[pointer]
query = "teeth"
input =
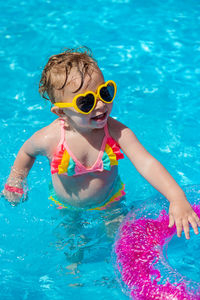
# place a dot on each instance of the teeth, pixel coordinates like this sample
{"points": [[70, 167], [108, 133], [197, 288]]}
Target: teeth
{"points": [[99, 116]]}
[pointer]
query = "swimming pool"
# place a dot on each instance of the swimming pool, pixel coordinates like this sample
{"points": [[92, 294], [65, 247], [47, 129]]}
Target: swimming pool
{"points": [[152, 50]]}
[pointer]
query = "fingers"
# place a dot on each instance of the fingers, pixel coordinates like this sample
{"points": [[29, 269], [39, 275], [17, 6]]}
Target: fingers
{"points": [[178, 223], [195, 222], [171, 221], [196, 219], [184, 225], [194, 226], [179, 227], [186, 229], [12, 198]]}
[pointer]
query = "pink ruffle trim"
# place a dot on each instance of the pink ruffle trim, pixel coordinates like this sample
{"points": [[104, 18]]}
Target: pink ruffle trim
{"points": [[115, 147], [56, 161]]}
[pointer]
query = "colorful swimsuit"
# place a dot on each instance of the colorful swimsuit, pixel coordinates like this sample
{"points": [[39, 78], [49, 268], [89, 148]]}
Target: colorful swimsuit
{"points": [[64, 162]]}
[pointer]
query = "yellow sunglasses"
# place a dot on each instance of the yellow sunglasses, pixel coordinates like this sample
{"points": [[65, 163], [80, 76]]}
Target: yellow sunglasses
{"points": [[85, 103]]}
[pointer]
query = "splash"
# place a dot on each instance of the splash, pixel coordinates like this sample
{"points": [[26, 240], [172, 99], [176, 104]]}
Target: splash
{"points": [[138, 250]]}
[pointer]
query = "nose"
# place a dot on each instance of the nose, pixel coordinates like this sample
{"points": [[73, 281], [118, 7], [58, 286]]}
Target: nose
{"points": [[100, 104]]}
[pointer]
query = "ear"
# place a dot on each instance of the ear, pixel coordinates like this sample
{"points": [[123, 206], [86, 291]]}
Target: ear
{"points": [[58, 111]]}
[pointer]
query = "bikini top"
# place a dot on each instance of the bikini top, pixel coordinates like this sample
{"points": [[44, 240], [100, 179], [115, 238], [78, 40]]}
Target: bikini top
{"points": [[64, 162]]}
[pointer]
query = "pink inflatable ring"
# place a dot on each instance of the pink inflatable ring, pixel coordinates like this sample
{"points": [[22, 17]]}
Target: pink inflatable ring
{"points": [[138, 252]]}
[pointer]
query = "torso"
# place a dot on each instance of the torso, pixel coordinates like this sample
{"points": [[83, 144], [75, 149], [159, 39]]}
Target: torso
{"points": [[86, 190], [90, 188]]}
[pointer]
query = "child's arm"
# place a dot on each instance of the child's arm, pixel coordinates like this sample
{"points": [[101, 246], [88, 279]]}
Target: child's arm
{"points": [[180, 211], [13, 189]]}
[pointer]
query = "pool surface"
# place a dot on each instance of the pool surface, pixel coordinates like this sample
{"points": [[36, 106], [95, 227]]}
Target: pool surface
{"points": [[152, 50]]}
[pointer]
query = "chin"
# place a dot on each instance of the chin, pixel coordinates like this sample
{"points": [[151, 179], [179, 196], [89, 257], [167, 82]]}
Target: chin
{"points": [[100, 125]]}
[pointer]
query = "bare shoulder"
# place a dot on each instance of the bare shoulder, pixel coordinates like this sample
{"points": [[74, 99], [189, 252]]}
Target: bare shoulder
{"points": [[120, 132], [44, 141], [116, 128]]}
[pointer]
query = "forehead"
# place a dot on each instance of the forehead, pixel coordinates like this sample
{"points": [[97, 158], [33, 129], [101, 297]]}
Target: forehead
{"points": [[93, 77], [91, 81]]}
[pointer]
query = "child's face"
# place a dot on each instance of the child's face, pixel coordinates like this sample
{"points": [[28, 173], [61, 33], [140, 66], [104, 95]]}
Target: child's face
{"points": [[98, 117]]}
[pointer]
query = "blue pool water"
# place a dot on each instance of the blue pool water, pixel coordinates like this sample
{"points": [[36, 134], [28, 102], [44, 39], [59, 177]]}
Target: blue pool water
{"points": [[152, 50]]}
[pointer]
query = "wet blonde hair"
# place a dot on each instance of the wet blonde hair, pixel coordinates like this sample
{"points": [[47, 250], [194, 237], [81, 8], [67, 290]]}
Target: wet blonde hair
{"points": [[55, 74]]}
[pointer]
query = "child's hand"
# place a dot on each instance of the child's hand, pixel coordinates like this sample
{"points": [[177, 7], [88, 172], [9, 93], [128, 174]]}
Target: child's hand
{"points": [[12, 197], [181, 214]]}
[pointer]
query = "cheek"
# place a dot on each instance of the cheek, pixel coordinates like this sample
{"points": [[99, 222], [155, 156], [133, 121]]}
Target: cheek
{"points": [[81, 119], [110, 106], [75, 116]]}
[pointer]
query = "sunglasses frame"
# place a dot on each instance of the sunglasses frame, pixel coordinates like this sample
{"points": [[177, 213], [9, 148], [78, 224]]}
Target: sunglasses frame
{"points": [[96, 95]]}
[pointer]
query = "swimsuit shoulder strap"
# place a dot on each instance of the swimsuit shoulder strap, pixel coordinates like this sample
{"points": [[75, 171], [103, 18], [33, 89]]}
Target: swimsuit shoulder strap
{"points": [[62, 132]]}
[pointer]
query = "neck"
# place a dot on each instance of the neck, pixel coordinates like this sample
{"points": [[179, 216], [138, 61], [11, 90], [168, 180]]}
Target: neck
{"points": [[84, 131]]}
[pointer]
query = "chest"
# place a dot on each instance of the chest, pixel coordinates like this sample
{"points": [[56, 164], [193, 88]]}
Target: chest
{"points": [[86, 151], [76, 156]]}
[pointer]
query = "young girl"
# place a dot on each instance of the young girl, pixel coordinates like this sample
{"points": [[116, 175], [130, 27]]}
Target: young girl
{"points": [[83, 145]]}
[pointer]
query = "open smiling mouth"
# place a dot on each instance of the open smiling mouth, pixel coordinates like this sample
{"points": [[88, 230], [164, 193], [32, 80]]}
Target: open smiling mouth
{"points": [[100, 117]]}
